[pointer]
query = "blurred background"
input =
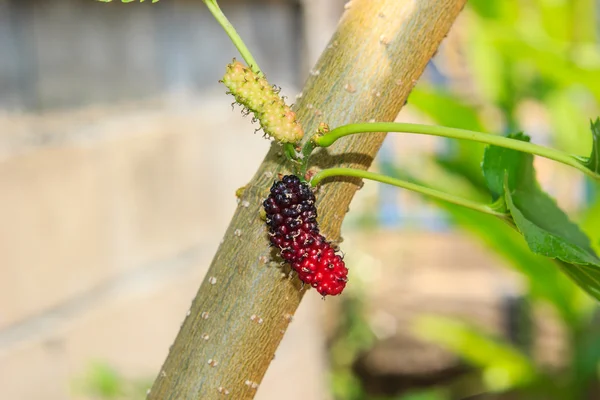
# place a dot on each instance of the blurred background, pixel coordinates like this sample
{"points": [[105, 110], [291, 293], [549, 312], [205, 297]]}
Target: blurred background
{"points": [[120, 156]]}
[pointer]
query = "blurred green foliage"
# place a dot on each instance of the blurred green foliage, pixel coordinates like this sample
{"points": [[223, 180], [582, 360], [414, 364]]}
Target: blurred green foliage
{"points": [[101, 381], [545, 52], [515, 53], [503, 366], [353, 336]]}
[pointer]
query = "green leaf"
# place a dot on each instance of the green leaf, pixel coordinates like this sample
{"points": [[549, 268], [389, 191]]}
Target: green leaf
{"points": [[591, 220], [564, 241], [499, 162], [588, 278], [593, 162], [545, 227]]}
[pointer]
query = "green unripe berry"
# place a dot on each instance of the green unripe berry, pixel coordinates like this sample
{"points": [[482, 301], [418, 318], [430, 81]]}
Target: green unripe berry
{"points": [[255, 93]]}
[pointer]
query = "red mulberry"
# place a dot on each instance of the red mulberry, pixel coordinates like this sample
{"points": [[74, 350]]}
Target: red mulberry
{"points": [[292, 221]]}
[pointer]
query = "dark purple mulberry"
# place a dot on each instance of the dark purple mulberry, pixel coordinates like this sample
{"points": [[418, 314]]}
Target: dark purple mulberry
{"points": [[292, 221]]}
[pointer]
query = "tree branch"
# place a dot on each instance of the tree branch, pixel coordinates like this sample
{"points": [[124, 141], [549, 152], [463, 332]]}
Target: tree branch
{"points": [[244, 305]]}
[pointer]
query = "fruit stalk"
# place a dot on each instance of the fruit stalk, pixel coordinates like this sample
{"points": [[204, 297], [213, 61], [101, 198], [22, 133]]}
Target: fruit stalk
{"points": [[435, 194], [333, 135], [237, 41]]}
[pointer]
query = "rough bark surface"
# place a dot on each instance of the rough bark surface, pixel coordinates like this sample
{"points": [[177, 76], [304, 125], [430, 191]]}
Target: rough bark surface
{"points": [[244, 305]]}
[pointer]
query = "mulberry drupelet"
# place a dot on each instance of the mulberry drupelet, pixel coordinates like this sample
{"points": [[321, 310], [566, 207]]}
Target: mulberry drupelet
{"points": [[292, 221]]}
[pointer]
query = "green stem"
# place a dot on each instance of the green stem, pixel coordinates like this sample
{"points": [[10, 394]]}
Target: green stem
{"points": [[233, 35], [358, 173], [329, 138], [290, 152], [307, 150]]}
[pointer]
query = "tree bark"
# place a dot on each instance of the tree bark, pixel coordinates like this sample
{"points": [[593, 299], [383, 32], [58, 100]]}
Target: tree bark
{"points": [[245, 303]]}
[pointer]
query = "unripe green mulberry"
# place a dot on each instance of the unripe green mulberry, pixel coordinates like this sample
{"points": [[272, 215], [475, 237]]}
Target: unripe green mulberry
{"points": [[254, 92]]}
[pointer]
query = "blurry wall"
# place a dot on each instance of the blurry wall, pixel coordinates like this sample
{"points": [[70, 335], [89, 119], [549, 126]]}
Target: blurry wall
{"points": [[73, 52], [119, 159]]}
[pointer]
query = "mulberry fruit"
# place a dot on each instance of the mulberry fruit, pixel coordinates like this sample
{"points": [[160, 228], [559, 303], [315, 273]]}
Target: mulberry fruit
{"points": [[292, 222], [256, 94]]}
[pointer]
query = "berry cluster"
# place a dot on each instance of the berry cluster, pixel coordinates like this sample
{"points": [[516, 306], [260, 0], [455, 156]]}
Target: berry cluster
{"points": [[292, 221], [256, 94]]}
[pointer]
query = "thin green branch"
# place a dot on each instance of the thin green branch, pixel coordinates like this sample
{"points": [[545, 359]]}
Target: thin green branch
{"points": [[290, 152], [357, 173], [329, 138], [306, 152], [233, 35]]}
